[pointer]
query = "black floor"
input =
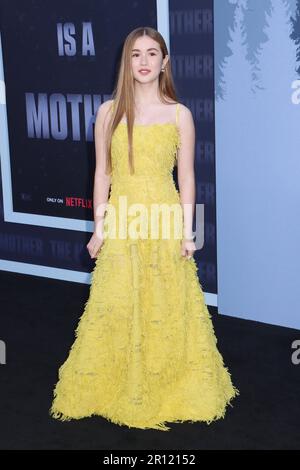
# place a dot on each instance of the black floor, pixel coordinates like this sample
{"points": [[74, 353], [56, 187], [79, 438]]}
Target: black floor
{"points": [[38, 319]]}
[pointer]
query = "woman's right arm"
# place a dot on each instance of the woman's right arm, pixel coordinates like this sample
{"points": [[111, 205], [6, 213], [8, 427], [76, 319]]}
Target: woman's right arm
{"points": [[101, 180]]}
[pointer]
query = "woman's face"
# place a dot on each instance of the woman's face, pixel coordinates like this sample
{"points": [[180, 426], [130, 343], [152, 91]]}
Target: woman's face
{"points": [[147, 60]]}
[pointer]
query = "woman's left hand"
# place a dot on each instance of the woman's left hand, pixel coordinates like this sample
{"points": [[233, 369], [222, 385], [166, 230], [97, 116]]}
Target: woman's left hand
{"points": [[188, 248]]}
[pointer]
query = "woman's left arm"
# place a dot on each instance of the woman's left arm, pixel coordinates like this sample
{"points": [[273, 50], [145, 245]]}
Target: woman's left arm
{"points": [[186, 172]]}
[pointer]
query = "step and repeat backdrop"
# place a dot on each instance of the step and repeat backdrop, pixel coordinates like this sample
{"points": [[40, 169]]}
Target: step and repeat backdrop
{"points": [[59, 63], [236, 65]]}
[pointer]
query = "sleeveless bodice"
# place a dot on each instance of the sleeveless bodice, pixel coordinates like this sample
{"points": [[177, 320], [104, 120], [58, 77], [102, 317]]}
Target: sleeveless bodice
{"points": [[154, 149], [154, 154]]}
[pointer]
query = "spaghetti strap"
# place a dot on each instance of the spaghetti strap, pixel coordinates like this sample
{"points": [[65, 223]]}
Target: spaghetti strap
{"points": [[177, 113]]}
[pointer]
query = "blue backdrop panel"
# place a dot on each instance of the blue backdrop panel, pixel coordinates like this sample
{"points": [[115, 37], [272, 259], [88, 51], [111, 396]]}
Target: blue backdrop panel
{"points": [[257, 159]]}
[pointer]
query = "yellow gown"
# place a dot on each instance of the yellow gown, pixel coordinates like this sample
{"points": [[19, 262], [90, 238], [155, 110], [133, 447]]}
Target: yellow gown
{"points": [[145, 350]]}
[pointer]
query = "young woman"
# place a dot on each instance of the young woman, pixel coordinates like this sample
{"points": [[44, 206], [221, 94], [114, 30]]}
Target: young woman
{"points": [[145, 351]]}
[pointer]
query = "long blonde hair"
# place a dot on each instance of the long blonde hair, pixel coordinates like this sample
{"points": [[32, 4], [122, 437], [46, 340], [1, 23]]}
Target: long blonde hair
{"points": [[123, 94]]}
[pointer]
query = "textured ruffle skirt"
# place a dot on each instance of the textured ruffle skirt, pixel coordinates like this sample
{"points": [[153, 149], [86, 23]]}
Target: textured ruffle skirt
{"points": [[145, 352]]}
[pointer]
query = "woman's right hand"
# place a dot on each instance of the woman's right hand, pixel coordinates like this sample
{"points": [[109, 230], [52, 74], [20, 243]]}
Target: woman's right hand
{"points": [[94, 245]]}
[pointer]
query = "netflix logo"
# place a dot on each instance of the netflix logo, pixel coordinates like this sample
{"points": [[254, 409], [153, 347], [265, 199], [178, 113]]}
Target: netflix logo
{"points": [[78, 202]]}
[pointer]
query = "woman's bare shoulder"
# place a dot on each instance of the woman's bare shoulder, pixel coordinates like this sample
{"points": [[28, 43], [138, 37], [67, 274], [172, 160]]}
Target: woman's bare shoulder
{"points": [[105, 106], [104, 109], [182, 107], [185, 115], [103, 113]]}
